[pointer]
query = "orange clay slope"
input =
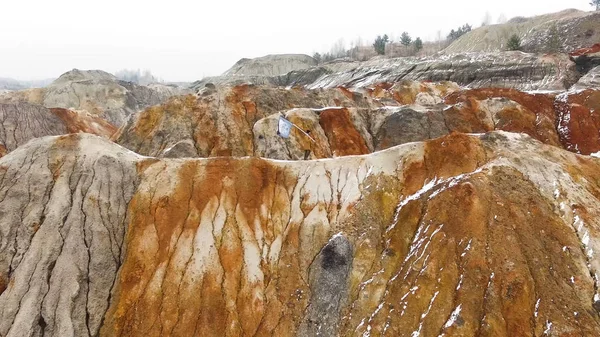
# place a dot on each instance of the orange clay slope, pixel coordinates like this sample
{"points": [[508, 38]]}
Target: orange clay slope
{"points": [[464, 235], [242, 120]]}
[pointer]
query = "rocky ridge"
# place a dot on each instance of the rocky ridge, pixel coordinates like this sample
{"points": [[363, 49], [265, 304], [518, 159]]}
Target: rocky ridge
{"points": [[428, 238], [428, 208], [242, 120], [96, 92], [505, 70], [271, 65]]}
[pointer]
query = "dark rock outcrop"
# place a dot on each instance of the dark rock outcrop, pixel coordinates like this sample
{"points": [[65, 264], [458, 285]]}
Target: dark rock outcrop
{"points": [[329, 280], [591, 80]]}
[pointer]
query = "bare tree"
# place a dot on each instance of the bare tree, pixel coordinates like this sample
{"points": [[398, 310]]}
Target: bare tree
{"points": [[502, 19], [359, 42], [487, 19], [338, 49], [136, 76]]}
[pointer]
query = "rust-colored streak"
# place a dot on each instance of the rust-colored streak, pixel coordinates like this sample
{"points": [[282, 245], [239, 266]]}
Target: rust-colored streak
{"points": [[452, 237], [205, 135], [453, 155], [514, 119], [414, 177], [242, 118], [405, 94], [467, 118], [579, 122], [380, 90], [436, 277], [144, 164], [3, 151], [347, 92], [343, 137], [580, 129], [3, 283], [589, 98], [319, 147], [192, 268], [467, 259], [150, 118], [542, 105], [56, 154], [538, 103], [584, 51], [82, 122]]}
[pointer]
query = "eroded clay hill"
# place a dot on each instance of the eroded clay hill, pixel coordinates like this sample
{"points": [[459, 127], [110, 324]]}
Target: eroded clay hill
{"points": [[22, 122], [242, 120], [490, 235], [429, 209], [97, 93]]}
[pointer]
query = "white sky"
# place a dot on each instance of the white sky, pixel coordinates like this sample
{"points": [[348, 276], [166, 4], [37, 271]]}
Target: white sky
{"points": [[181, 40]]}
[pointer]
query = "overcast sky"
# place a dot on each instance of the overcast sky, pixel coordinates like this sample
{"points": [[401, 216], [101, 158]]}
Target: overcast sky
{"points": [[185, 40]]}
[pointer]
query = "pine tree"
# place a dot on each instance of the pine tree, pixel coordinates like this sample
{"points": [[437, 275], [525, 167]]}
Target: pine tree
{"points": [[418, 44], [514, 43], [317, 57], [380, 43], [460, 32], [405, 39], [452, 35], [553, 45], [595, 3]]}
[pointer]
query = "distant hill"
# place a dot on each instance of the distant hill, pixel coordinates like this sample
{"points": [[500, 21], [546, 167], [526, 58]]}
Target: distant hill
{"points": [[97, 92], [271, 65], [573, 29], [12, 84]]}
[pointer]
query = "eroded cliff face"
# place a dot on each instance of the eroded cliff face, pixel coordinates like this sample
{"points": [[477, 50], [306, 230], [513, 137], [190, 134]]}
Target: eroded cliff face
{"points": [[590, 80], [22, 122], [62, 222], [477, 70], [82, 121], [481, 235], [242, 120], [219, 122]]}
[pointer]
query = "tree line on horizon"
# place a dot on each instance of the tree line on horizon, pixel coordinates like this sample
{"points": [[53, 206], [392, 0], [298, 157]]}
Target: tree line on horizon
{"points": [[137, 76], [383, 45], [407, 46]]}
